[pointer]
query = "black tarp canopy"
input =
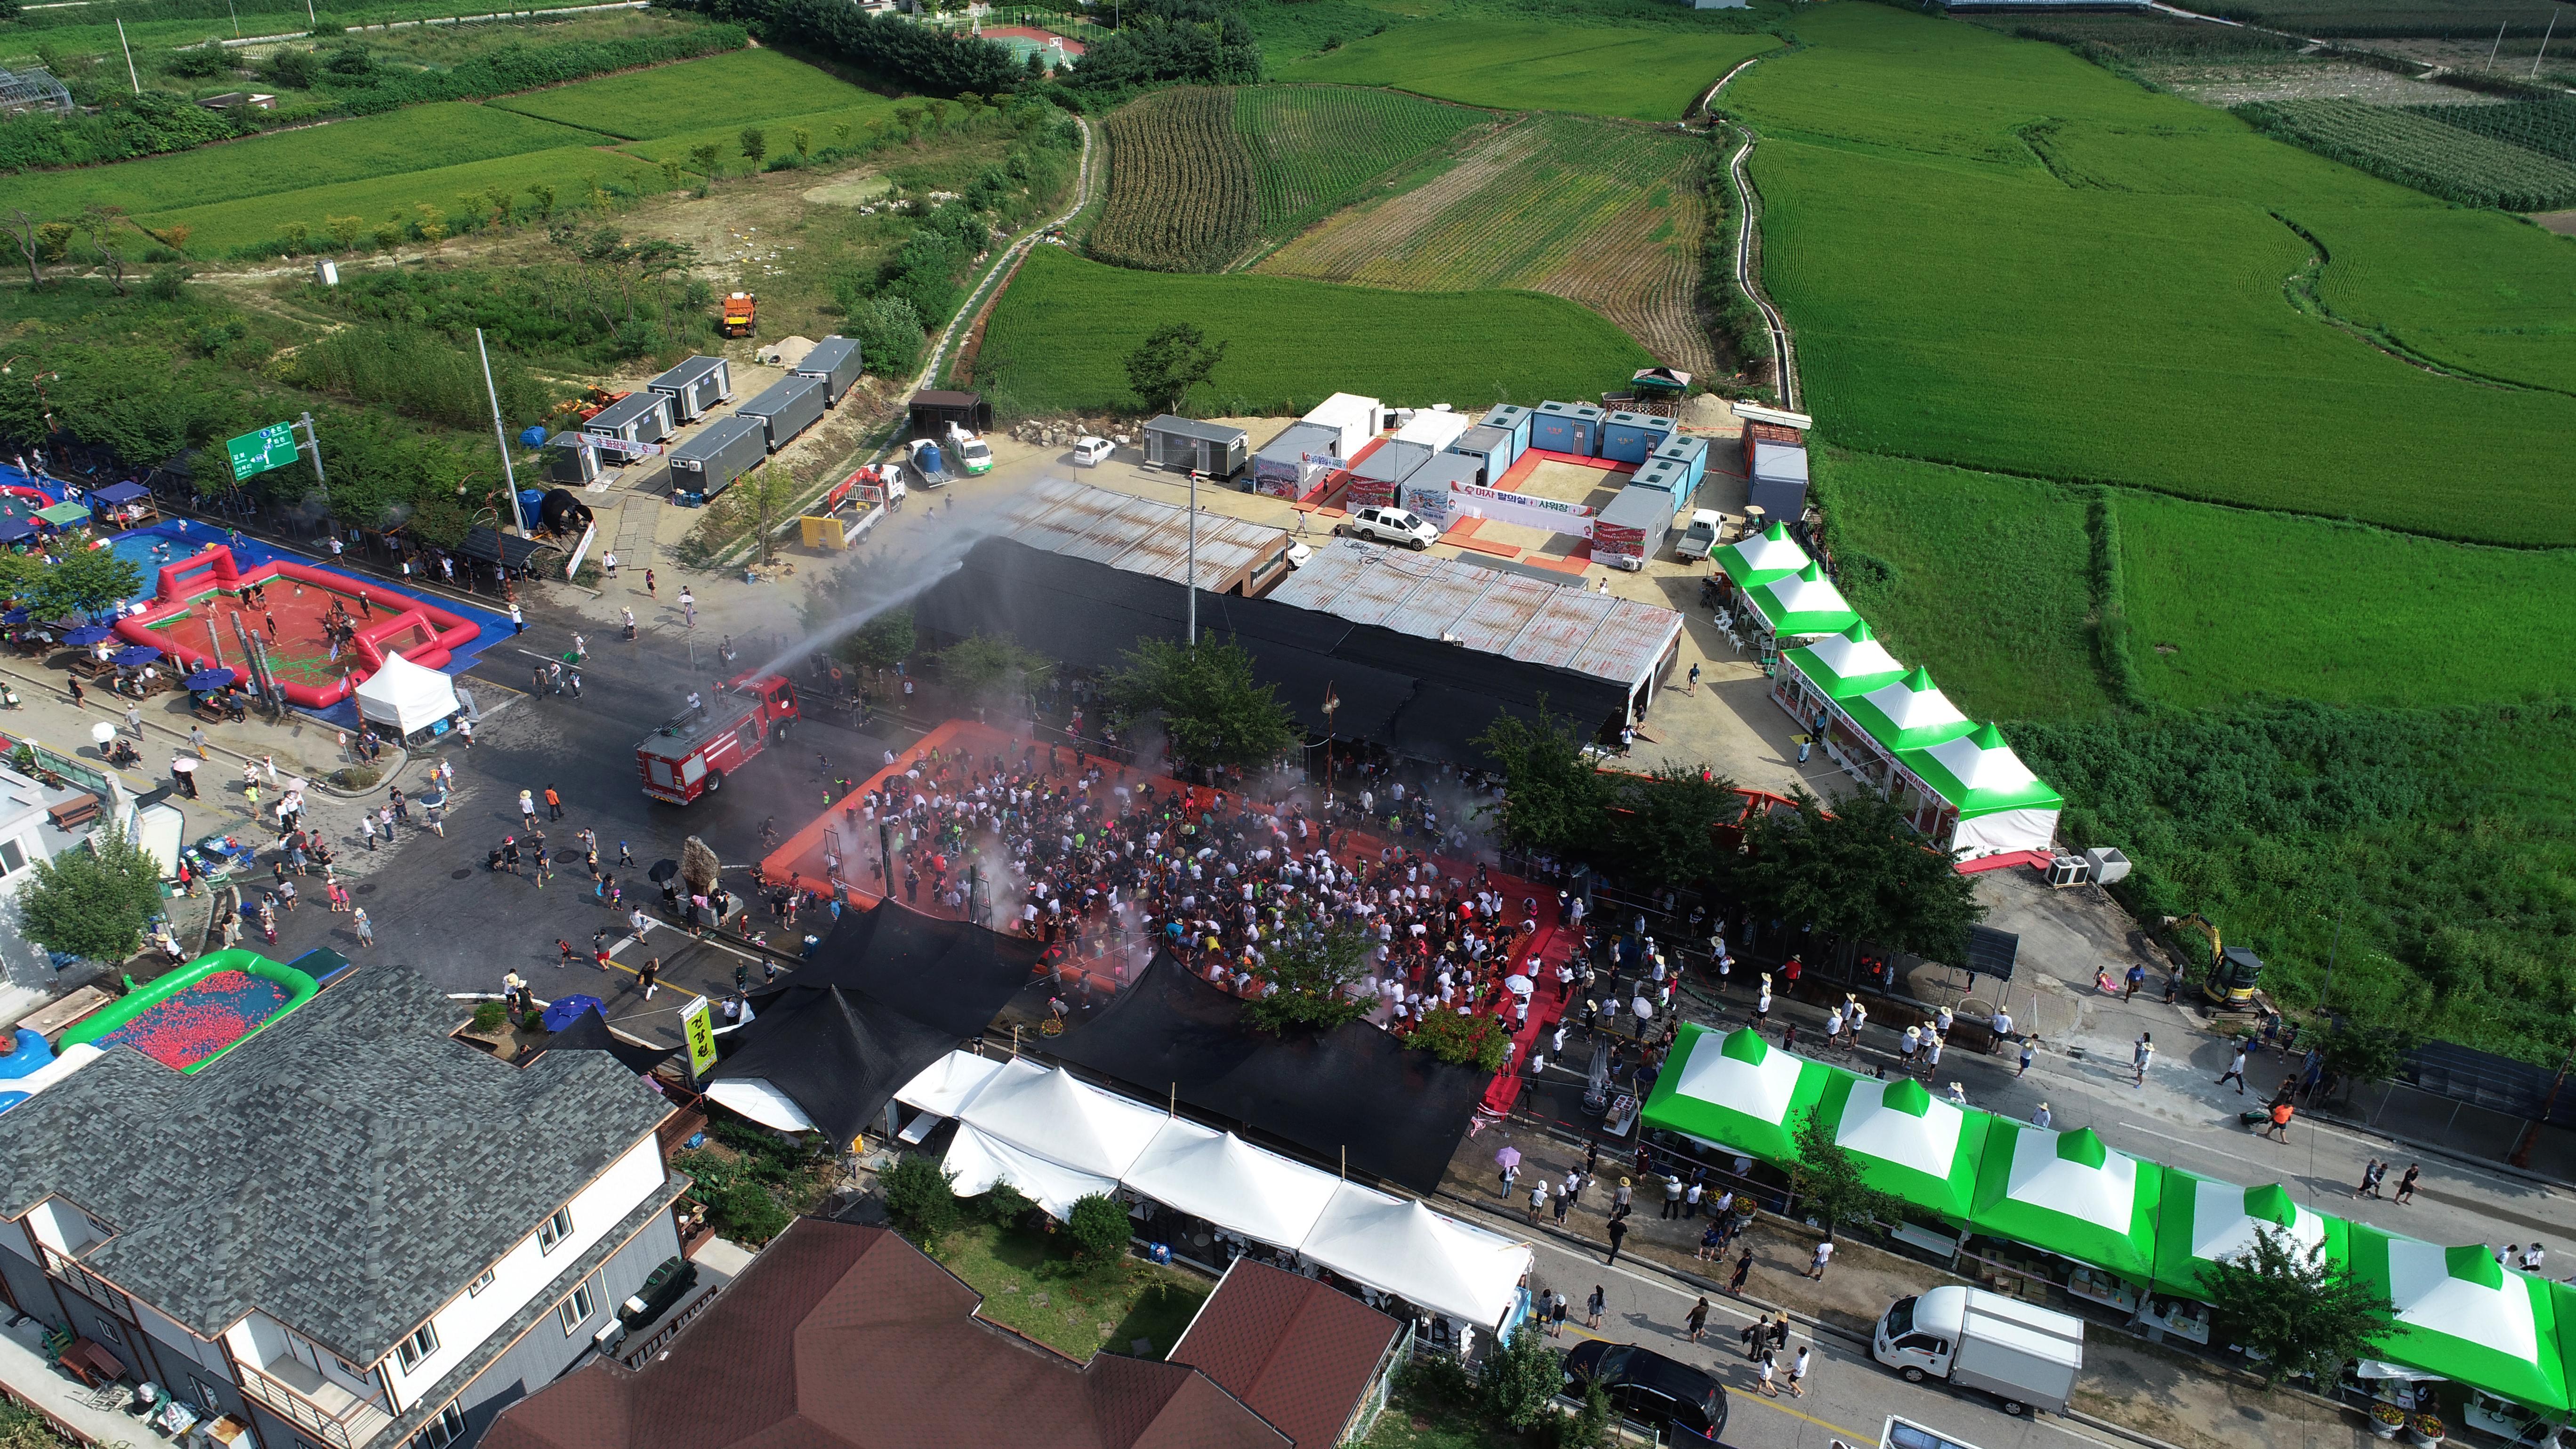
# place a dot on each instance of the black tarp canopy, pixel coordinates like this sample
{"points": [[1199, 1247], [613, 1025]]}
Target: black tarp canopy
{"points": [[507, 550], [1398, 1112], [887, 993]]}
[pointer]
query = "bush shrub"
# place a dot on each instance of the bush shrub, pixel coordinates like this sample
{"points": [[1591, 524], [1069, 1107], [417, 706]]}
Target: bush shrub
{"points": [[919, 1199], [1098, 1227]]}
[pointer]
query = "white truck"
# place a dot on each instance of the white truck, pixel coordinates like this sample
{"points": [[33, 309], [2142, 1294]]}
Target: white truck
{"points": [[1701, 536], [2026, 1356]]}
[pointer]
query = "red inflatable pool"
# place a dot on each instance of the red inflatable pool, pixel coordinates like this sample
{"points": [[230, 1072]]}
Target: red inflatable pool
{"points": [[193, 620]]}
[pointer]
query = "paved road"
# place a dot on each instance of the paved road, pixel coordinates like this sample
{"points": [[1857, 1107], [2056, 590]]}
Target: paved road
{"points": [[1848, 1395]]}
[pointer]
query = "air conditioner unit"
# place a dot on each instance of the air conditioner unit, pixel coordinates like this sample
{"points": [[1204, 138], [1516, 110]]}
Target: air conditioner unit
{"points": [[2067, 870], [610, 1334]]}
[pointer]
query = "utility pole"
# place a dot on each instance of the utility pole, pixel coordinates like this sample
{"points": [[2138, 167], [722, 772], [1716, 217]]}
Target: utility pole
{"points": [[500, 436], [136, 81], [2544, 42], [1193, 580], [2494, 50], [313, 440]]}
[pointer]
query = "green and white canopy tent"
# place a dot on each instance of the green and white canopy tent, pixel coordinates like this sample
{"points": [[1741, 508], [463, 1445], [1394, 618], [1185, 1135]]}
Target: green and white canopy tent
{"points": [[1735, 1090], [2001, 805], [2463, 1315], [1907, 1141], [1909, 714], [1771, 554], [2202, 1220], [1846, 665], [2071, 1194], [1802, 604]]}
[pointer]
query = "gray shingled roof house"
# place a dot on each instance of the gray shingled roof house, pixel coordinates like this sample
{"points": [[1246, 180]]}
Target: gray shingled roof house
{"points": [[352, 1228]]}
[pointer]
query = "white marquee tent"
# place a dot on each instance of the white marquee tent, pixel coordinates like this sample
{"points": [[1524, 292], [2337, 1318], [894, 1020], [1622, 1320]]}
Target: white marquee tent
{"points": [[977, 1160], [406, 696], [1407, 1249], [1220, 1177], [1067, 1121]]}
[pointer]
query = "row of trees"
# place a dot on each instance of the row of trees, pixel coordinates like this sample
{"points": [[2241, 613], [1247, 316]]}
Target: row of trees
{"points": [[1855, 871]]}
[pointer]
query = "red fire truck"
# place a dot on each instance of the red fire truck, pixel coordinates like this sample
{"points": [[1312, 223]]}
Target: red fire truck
{"points": [[691, 755]]}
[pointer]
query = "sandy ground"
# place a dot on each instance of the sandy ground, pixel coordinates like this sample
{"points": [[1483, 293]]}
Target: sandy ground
{"points": [[2302, 80]]}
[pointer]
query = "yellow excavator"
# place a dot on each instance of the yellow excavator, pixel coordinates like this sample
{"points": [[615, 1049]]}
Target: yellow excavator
{"points": [[2228, 973]]}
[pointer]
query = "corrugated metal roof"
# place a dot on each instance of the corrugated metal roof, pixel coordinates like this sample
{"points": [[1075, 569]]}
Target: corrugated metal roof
{"points": [[1378, 592], [1320, 580], [1113, 530], [1501, 612], [1138, 535], [1193, 428], [1630, 640], [1433, 609], [1226, 546], [1561, 626]]}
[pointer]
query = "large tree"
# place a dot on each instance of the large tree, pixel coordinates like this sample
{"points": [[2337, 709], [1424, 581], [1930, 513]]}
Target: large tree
{"points": [[1313, 972], [92, 902], [87, 581], [1174, 358], [1660, 834], [1553, 798], [2303, 1309], [1827, 1181], [990, 669], [1857, 872], [1208, 703]]}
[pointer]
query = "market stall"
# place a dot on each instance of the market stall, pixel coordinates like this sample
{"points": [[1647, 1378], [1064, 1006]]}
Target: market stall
{"points": [[1735, 1091], [2081, 1204], [1815, 680], [1223, 1179], [1770, 554], [1067, 1121], [2200, 1221], [1909, 1143], [1803, 605], [2465, 1316], [1399, 1246], [1975, 797], [406, 700]]}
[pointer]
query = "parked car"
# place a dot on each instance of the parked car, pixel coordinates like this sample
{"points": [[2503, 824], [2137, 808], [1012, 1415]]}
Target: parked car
{"points": [[1701, 536], [1390, 525], [969, 452], [1647, 1388], [1091, 452], [675, 1277], [1298, 553]]}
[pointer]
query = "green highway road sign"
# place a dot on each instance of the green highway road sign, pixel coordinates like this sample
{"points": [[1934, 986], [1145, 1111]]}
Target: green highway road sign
{"points": [[270, 447]]}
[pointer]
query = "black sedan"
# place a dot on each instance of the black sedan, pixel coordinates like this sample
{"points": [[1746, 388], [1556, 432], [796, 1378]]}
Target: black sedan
{"points": [[1647, 1388]]}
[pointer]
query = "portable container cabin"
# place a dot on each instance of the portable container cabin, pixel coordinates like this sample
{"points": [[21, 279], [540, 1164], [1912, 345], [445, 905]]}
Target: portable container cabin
{"points": [[835, 359], [638, 417], [696, 387], [1427, 490], [1434, 428], [933, 411], [1562, 427], [1295, 464], [790, 406], [1187, 445], [1691, 453], [1514, 420], [1668, 478], [1779, 481], [1489, 447], [572, 458], [1632, 527], [721, 452], [1357, 419], [1633, 437], [1393, 460]]}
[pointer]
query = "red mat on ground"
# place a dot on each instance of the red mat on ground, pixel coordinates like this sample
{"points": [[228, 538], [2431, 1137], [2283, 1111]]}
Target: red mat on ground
{"points": [[839, 831]]}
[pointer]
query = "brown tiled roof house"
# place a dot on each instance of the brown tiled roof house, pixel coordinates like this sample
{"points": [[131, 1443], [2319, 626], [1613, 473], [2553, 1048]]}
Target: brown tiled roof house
{"points": [[1306, 1357]]}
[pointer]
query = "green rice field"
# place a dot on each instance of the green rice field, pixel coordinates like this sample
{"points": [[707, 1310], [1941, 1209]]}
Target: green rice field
{"points": [[2502, 304], [2226, 604], [781, 131], [1985, 580], [1313, 147], [732, 90], [2133, 338], [223, 225], [1059, 337], [444, 133], [1646, 75]]}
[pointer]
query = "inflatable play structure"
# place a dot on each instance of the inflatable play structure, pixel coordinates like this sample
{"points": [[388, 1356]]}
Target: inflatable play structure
{"points": [[199, 1012], [191, 619]]}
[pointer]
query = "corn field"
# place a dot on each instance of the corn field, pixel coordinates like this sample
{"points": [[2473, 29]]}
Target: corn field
{"points": [[1181, 190], [2548, 127], [2411, 149]]}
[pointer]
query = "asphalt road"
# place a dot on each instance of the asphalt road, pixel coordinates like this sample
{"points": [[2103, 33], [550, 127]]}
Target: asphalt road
{"points": [[437, 908]]}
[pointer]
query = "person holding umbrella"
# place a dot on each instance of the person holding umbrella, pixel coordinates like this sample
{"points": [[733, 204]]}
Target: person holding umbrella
{"points": [[1509, 1160]]}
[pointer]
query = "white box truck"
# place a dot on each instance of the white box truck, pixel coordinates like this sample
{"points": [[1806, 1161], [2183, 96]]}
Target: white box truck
{"points": [[2028, 1357]]}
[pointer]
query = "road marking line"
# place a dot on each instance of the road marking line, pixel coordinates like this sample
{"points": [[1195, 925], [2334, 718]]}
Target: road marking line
{"points": [[1755, 1396]]}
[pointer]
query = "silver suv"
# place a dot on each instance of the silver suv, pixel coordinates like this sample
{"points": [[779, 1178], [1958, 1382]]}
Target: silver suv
{"points": [[1390, 525]]}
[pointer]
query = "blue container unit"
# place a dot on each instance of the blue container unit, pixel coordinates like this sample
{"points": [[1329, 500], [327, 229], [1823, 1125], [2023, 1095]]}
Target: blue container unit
{"points": [[1691, 453], [1668, 478], [1633, 437], [1567, 428], [1514, 420]]}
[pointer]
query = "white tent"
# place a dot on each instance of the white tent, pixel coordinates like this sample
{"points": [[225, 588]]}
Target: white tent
{"points": [[948, 1084], [1220, 1177], [406, 696], [977, 1160], [1404, 1248], [1074, 1124], [763, 1103]]}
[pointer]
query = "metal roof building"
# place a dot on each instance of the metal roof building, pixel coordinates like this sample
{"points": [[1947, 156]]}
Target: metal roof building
{"points": [[1143, 536], [1616, 640]]}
